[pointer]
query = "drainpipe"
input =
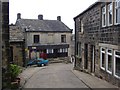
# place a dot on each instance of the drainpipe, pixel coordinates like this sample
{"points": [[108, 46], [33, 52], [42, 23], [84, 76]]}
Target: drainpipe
{"points": [[75, 45], [23, 48]]}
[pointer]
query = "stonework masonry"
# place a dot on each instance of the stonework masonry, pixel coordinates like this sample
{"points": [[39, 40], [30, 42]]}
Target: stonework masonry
{"points": [[90, 36]]}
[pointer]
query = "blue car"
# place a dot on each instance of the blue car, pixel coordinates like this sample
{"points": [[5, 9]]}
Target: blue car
{"points": [[38, 62]]}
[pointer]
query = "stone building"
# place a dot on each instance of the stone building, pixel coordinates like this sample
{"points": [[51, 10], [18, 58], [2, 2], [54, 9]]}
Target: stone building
{"points": [[0, 44], [73, 44], [97, 41], [4, 37], [51, 36], [17, 46], [5, 31]]}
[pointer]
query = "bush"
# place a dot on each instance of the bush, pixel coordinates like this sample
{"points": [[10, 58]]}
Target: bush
{"points": [[9, 77], [14, 71]]}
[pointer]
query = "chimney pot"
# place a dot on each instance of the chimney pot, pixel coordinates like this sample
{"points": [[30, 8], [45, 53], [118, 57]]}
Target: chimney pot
{"points": [[40, 17], [18, 16], [59, 18]]}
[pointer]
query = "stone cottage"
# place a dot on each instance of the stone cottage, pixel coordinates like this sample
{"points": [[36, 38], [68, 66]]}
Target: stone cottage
{"points": [[17, 45]]}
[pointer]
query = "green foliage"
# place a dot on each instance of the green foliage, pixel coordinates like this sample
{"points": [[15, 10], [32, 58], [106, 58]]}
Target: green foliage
{"points": [[14, 70]]}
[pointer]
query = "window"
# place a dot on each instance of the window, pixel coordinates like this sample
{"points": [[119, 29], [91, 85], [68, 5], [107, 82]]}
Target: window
{"points": [[109, 61], [104, 16], [66, 50], [49, 50], [102, 58], [81, 28], [79, 49], [63, 38], [60, 50], [110, 14], [117, 64], [117, 12], [36, 38]]}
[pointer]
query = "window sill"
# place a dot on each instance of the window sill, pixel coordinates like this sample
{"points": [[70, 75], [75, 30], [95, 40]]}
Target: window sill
{"points": [[36, 43], [117, 24], [81, 33], [110, 25], [117, 76], [104, 26], [109, 72], [102, 68]]}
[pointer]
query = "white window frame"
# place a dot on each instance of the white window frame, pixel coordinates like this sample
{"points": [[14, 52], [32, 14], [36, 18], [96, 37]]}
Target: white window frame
{"points": [[48, 51], [110, 10], [117, 6], [108, 53], [115, 63], [103, 68], [60, 50], [82, 28], [63, 50], [103, 13], [66, 50]]}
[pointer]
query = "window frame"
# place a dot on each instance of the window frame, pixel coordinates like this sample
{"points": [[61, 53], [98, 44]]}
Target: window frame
{"points": [[103, 68], [104, 13], [110, 5], [108, 53], [34, 41], [63, 38], [118, 8], [118, 56], [49, 51], [81, 26]]}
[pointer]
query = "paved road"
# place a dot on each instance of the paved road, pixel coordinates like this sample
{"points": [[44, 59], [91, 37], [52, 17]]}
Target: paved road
{"points": [[58, 75]]}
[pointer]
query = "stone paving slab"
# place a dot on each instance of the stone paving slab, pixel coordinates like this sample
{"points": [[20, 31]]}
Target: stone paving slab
{"points": [[27, 74], [92, 81]]}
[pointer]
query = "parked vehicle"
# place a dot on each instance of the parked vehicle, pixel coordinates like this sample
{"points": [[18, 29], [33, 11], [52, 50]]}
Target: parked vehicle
{"points": [[38, 62]]}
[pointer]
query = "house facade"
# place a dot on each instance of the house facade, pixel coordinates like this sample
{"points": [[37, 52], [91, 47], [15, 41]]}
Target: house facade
{"points": [[51, 36], [97, 41], [17, 46]]}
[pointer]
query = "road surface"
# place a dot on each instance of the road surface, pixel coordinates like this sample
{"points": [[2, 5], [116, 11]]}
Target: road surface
{"points": [[58, 75]]}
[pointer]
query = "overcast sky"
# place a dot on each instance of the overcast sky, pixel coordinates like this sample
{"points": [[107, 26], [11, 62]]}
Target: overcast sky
{"points": [[30, 9]]}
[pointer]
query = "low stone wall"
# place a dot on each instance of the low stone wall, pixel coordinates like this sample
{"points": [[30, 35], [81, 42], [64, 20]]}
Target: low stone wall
{"points": [[59, 60]]}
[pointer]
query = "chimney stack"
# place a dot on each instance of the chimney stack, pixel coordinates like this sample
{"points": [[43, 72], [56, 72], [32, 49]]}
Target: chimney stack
{"points": [[18, 16], [59, 18], [40, 17]]}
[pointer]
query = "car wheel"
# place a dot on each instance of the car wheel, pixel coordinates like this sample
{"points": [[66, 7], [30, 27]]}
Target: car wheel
{"points": [[39, 65], [42, 64]]}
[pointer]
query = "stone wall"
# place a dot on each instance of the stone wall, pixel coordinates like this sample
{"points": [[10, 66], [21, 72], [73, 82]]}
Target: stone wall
{"points": [[93, 34], [17, 57]]}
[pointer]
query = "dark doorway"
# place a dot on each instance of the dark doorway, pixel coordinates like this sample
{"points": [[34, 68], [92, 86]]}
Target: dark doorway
{"points": [[55, 53], [92, 58], [11, 54], [86, 56]]}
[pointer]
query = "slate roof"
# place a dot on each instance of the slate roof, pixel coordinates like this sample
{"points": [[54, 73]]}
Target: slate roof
{"points": [[91, 6], [36, 25], [15, 34]]}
